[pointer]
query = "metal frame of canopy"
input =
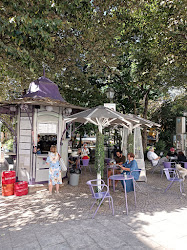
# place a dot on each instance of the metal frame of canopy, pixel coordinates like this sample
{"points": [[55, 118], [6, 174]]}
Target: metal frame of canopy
{"points": [[104, 117]]}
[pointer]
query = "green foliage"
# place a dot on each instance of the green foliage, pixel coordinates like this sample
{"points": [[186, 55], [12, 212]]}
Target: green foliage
{"points": [[166, 116], [141, 45], [130, 143], [99, 153], [9, 144], [161, 147]]}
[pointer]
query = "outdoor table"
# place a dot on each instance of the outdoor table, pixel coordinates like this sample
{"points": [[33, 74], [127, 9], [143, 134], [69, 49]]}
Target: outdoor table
{"points": [[172, 164], [13, 155], [113, 167], [173, 158], [120, 177]]}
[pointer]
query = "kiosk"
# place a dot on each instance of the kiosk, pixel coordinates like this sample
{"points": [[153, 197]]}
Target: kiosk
{"points": [[40, 123]]}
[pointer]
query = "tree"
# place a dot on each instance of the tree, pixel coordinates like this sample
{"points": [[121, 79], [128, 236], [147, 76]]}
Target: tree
{"points": [[139, 44], [60, 35], [166, 116]]}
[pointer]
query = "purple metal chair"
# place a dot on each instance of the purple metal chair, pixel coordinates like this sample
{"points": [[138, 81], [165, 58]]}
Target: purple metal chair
{"points": [[85, 163], [107, 160], [99, 194], [167, 164], [172, 176]]}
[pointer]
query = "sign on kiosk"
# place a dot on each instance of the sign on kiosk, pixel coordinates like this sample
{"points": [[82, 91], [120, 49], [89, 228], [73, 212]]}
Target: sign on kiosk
{"points": [[47, 128]]}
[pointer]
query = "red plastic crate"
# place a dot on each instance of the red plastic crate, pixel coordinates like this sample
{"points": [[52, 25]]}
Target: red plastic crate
{"points": [[8, 177], [7, 189], [21, 188]]}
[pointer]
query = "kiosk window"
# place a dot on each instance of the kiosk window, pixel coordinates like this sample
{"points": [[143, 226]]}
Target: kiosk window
{"points": [[45, 143]]}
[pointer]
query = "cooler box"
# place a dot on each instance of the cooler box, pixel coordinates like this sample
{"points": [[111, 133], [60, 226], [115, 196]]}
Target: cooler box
{"points": [[21, 188], [8, 177]]}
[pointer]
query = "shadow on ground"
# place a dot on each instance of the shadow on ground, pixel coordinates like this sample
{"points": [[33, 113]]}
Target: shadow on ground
{"points": [[68, 216]]}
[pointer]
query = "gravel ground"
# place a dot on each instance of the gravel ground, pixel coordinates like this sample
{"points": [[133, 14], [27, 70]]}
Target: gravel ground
{"points": [[74, 202], [43, 222]]}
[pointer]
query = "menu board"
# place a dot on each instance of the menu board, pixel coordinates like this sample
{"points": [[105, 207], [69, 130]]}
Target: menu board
{"points": [[47, 128]]}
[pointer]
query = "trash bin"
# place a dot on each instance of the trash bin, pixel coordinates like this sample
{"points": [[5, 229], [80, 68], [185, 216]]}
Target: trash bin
{"points": [[74, 177]]}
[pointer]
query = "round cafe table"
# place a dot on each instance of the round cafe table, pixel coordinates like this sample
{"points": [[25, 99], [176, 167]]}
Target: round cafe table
{"points": [[120, 177], [113, 167]]}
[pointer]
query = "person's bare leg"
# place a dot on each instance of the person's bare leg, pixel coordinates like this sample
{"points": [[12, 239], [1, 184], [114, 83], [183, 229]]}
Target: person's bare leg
{"points": [[57, 188], [50, 187], [117, 172]]}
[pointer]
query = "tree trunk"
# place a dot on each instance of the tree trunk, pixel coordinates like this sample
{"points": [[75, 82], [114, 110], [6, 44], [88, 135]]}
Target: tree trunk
{"points": [[80, 142], [144, 133], [135, 108]]}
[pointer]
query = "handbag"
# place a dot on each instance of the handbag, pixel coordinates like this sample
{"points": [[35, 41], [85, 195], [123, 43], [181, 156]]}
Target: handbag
{"points": [[62, 164]]}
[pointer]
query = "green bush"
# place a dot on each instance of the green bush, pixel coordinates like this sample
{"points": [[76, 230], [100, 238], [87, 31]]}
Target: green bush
{"points": [[130, 143], [99, 153], [161, 147], [9, 144]]}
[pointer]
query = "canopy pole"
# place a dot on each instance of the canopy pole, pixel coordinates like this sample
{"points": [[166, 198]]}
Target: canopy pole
{"points": [[99, 173]]}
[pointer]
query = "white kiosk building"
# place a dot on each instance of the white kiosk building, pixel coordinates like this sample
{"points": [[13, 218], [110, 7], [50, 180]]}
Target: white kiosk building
{"points": [[40, 123]]}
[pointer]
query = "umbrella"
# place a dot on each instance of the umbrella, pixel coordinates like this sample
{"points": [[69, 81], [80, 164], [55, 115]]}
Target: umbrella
{"points": [[104, 117]]}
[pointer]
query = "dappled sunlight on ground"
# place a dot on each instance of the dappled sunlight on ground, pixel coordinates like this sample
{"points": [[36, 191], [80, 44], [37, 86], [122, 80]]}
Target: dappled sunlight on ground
{"points": [[158, 215]]}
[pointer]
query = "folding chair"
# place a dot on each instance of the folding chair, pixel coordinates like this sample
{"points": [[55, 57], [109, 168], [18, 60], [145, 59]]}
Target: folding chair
{"points": [[156, 167], [172, 177], [99, 194]]}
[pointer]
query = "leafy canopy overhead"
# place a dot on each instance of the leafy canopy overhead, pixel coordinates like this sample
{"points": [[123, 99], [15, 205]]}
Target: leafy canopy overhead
{"points": [[139, 45]]}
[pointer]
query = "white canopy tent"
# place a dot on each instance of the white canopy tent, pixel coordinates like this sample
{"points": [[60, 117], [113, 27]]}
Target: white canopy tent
{"points": [[104, 117]]}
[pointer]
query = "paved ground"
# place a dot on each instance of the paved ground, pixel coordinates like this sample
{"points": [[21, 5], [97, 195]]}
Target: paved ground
{"points": [[40, 221]]}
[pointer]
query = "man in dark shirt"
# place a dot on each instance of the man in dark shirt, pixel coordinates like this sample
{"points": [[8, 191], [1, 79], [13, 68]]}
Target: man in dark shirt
{"points": [[120, 159]]}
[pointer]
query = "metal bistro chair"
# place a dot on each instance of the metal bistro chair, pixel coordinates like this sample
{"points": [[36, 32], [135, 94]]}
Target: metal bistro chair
{"points": [[158, 165], [85, 163], [99, 194], [172, 177]]}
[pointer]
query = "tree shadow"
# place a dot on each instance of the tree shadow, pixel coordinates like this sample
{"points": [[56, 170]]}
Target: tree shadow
{"points": [[156, 211]]}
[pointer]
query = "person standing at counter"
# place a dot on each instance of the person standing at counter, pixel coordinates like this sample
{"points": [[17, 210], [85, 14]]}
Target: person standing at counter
{"points": [[54, 169], [39, 145]]}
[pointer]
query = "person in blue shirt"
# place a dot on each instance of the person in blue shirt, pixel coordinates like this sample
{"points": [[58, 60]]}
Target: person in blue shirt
{"points": [[127, 167]]}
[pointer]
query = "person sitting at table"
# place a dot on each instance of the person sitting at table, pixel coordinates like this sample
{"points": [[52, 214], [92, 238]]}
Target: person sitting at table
{"points": [[154, 158], [120, 159], [75, 161], [181, 157], [78, 158], [172, 153], [85, 152], [127, 167], [71, 161]]}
